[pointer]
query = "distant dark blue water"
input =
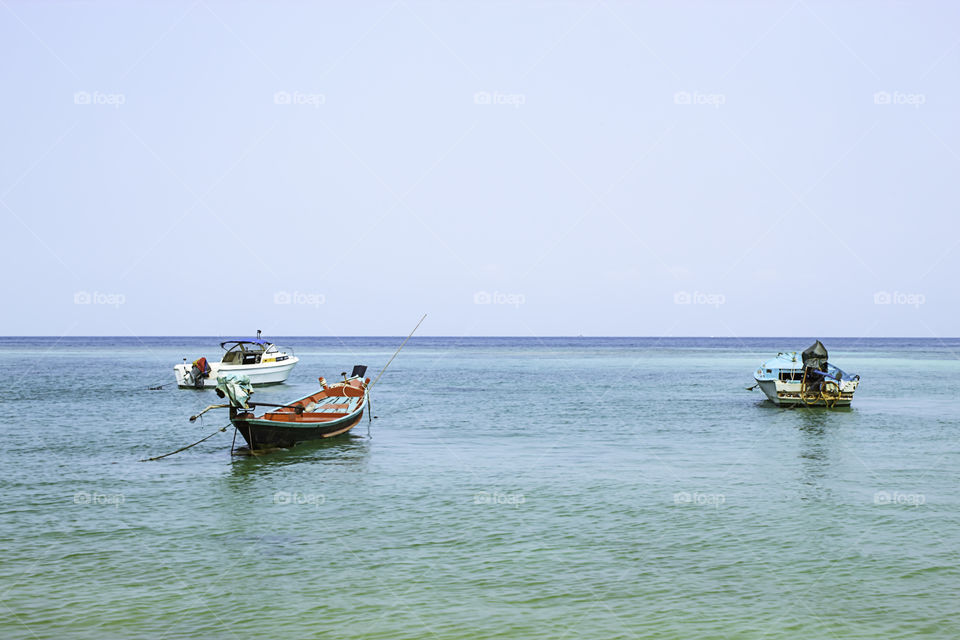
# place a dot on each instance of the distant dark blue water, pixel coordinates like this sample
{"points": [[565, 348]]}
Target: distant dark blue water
{"points": [[512, 487]]}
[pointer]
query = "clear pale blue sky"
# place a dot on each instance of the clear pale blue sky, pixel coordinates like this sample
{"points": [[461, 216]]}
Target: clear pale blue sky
{"points": [[587, 198]]}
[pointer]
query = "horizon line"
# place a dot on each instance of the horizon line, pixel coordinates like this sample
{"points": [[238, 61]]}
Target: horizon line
{"points": [[805, 337]]}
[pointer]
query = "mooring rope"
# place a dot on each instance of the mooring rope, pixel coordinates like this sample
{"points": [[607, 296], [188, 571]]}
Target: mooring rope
{"points": [[372, 384], [153, 386], [220, 430]]}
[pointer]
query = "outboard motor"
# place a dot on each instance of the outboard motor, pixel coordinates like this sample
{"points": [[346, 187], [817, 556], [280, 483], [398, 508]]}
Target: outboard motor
{"points": [[199, 371], [358, 371], [815, 356], [814, 368]]}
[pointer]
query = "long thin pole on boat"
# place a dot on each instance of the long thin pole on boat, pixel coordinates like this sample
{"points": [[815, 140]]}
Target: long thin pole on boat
{"points": [[397, 351]]}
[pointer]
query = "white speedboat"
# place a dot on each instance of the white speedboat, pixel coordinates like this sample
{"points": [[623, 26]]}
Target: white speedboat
{"points": [[793, 379], [259, 360]]}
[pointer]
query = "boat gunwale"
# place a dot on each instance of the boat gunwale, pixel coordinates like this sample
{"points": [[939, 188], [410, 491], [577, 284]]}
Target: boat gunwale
{"points": [[298, 421]]}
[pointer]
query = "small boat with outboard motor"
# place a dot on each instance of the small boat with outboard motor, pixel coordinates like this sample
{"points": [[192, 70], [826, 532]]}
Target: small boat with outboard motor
{"points": [[806, 379], [332, 411], [260, 360]]}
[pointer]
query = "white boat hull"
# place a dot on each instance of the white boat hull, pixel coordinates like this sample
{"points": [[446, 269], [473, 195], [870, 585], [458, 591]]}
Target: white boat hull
{"points": [[787, 393], [260, 374]]}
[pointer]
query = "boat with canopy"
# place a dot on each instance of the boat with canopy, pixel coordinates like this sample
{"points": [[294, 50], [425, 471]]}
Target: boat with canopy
{"points": [[260, 360]]}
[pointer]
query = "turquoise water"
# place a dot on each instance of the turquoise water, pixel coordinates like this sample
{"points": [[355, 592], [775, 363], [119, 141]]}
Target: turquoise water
{"points": [[597, 488]]}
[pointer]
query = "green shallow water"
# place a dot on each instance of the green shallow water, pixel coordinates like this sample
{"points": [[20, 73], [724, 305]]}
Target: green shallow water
{"points": [[512, 488]]}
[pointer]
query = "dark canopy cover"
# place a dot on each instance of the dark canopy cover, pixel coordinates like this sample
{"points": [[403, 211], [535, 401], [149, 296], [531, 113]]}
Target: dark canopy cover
{"points": [[815, 356]]}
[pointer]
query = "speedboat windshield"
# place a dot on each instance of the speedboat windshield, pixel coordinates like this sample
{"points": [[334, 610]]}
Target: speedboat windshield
{"points": [[245, 351]]}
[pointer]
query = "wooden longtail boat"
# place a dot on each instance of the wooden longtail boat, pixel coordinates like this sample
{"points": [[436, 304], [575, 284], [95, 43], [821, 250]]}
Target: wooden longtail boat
{"points": [[331, 411]]}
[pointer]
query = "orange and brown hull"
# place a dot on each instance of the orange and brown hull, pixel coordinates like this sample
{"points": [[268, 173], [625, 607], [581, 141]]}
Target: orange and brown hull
{"points": [[261, 434]]}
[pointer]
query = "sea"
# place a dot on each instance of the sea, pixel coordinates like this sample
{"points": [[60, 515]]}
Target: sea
{"points": [[500, 488]]}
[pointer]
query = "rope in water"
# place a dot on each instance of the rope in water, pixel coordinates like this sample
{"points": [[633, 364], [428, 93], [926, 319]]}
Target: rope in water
{"points": [[220, 430], [154, 386]]}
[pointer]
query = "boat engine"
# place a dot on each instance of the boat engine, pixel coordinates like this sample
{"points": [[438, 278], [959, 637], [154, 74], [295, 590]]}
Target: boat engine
{"points": [[818, 383], [198, 371]]}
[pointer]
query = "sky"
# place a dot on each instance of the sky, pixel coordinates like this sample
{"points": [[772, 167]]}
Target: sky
{"points": [[509, 168]]}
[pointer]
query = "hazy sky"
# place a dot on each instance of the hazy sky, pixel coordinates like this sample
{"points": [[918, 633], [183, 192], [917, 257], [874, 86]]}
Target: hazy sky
{"points": [[510, 168]]}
